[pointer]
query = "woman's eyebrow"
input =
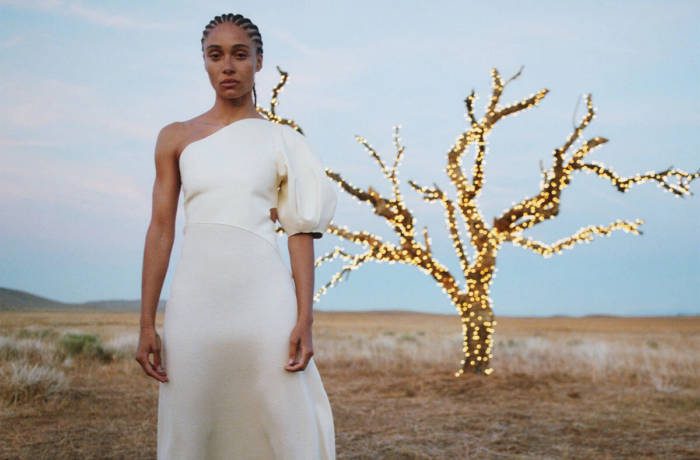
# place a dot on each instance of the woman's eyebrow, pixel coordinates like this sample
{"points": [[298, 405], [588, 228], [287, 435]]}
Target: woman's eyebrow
{"points": [[218, 47]]}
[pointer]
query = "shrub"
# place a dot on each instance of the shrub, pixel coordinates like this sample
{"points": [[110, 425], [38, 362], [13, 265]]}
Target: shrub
{"points": [[84, 345]]}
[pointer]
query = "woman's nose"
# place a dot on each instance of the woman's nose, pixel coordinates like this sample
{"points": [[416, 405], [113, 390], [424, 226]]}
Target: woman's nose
{"points": [[228, 63]]}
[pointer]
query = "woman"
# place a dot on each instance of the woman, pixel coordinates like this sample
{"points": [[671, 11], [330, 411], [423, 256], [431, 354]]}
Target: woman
{"points": [[237, 379]]}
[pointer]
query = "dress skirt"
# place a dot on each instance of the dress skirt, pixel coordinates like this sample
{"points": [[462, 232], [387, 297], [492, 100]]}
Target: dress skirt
{"points": [[225, 342]]}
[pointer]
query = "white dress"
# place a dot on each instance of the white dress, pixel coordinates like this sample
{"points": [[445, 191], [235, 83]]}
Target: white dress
{"points": [[232, 303]]}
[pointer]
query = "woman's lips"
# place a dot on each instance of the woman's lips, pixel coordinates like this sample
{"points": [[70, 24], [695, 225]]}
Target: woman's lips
{"points": [[229, 84]]}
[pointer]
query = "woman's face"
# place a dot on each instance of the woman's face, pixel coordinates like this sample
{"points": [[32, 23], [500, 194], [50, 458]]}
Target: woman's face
{"points": [[229, 54]]}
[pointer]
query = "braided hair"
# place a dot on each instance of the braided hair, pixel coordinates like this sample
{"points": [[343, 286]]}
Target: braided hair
{"points": [[244, 23]]}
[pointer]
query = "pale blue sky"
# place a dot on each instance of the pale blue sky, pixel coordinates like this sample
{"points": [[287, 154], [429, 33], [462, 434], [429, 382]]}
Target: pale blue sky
{"points": [[86, 86]]}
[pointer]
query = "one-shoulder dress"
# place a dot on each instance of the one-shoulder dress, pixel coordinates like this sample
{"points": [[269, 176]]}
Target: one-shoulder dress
{"points": [[232, 302]]}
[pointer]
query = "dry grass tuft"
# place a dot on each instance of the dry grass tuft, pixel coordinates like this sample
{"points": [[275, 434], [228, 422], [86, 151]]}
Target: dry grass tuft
{"points": [[23, 382], [600, 387]]}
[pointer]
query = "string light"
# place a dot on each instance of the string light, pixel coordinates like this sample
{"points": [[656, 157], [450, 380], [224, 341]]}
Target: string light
{"points": [[472, 300]]}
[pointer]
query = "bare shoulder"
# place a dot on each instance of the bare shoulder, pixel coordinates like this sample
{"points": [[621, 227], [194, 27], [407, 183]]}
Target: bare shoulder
{"points": [[170, 139]]}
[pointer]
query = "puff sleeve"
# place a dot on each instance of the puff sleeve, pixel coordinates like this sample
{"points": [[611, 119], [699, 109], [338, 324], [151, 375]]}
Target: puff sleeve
{"points": [[306, 198]]}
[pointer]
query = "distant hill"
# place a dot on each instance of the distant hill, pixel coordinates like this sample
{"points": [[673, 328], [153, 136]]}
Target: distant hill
{"points": [[16, 300]]}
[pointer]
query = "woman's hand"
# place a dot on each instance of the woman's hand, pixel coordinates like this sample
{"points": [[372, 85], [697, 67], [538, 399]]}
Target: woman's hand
{"points": [[300, 344], [149, 343]]}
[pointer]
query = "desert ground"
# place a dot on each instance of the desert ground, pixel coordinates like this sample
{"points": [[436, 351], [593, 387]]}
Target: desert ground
{"points": [[585, 388]]}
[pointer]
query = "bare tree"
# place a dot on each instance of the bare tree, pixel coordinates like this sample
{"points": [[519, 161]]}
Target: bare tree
{"points": [[471, 299]]}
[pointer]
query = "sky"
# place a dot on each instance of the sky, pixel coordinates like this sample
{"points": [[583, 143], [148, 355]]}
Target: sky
{"points": [[86, 87]]}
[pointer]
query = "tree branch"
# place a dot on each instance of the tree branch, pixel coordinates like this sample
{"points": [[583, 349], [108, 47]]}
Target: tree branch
{"points": [[584, 235]]}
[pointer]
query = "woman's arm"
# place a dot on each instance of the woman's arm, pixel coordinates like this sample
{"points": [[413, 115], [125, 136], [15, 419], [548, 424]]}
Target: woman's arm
{"points": [[158, 245], [301, 256]]}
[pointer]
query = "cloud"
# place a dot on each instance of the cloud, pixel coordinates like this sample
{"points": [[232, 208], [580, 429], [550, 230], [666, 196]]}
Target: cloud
{"points": [[53, 180], [90, 15], [112, 20], [5, 142], [35, 103], [49, 110], [10, 42], [327, 78]]}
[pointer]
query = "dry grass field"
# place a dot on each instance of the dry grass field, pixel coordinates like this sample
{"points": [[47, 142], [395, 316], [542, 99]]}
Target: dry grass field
{"points": [[584, 388]]}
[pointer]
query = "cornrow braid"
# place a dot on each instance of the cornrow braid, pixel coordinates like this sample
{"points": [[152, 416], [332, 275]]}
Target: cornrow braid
{"points": [[242, 22]]}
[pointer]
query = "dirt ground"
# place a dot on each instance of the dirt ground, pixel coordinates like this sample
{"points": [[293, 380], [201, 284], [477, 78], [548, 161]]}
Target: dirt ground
{"points": [[593, 388]]}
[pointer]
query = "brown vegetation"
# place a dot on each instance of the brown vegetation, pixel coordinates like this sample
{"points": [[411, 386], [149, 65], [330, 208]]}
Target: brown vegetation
{"points": [[593, 387]]}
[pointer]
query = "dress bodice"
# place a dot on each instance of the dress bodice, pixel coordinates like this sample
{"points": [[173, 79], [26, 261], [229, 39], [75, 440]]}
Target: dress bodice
{"points": [[236, 174]]}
